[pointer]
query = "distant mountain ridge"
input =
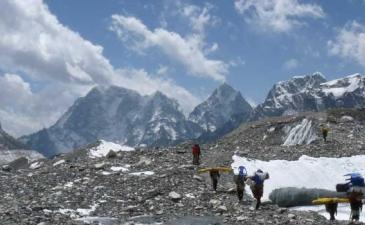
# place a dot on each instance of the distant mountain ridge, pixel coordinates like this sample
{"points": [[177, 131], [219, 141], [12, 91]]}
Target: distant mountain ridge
{"points": [[12, 149], [116, 114], [312, 93], [7, 142], [124, 116]]}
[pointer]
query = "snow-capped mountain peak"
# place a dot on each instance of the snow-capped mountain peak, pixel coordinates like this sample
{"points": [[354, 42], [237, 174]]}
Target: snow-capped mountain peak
{"points": [[339, 87], [223, 106], [224, 92], [312, 93], [296, 85], [115, 114], [287, 97]]}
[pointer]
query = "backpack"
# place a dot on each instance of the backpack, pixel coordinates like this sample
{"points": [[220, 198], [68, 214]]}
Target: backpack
{"points": [[258, 178], [356, 179], [242, 171]]}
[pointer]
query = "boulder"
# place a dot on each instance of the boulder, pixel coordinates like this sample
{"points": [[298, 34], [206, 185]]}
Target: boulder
{"points": [[6, 168], [222, 208], [345, 119], [198, 178], [111, 154], [291, 196], [215, 202], [99, 166], [20, 163], [175, 196], [144, 161]]}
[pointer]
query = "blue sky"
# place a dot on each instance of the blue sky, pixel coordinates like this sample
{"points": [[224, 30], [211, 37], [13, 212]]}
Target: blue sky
{"points": [[57, 50], [264, 53]]}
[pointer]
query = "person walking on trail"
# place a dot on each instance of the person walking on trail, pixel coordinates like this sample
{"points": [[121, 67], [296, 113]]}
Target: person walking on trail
{"points": [[331, 208], [355, 194], [196, 154], [324, 131], [239, 179], [214, 176], [355, 199], [256, 183]]}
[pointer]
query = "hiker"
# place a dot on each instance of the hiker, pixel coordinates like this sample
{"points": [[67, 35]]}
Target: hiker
{"points": [[355, 199], [196, 154], [324, 131], [256, 183], [355, 194], [214, 176], [331, 208], [239, 179]]}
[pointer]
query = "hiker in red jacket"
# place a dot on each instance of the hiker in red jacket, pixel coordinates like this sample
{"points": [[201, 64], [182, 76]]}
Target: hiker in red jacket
{"points": [[196, 154]]}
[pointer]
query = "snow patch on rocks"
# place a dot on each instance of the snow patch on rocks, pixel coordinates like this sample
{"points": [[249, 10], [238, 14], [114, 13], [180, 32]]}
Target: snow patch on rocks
{"points": [[86, 212], [7, 156], [59, 162], [35, 165], [120, 168], [143, 173], [105, 147]]}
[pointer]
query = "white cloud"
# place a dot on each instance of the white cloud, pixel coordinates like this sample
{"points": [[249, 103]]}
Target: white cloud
{"points": [[36, 45], [14, 86], [237, 62], [199, 17], [32, 40], [214, 47], [187, 51], [23, 111], [290, 64], [350, 43], [162, 70], [277, 15]]}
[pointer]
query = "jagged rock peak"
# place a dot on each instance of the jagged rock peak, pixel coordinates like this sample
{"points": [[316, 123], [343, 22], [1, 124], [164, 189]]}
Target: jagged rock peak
{"points": [[298, 83], [110, 90], [224, 91], [312, 93], [159, 95], [224, 104], [116, 114]]}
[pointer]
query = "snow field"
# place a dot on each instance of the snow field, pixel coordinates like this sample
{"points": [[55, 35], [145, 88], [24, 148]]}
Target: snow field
{"points": [[306, 172], [104, 147]]}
